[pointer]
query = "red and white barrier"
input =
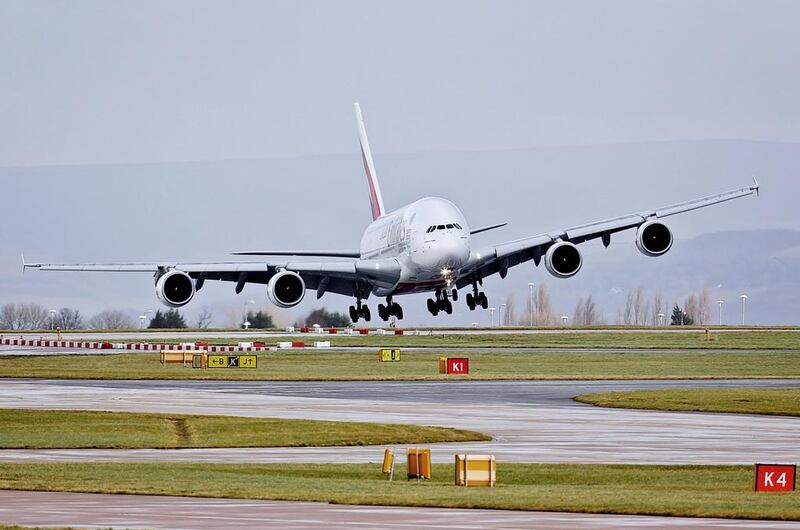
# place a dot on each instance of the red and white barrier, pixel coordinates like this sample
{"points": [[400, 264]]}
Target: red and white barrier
{"points": [[135, 346]]}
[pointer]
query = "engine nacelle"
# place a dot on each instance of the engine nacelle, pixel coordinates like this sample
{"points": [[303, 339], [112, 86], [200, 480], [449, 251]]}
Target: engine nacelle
{"points": [[175, 288], [286, 289], [653, 238], [563, 259]]}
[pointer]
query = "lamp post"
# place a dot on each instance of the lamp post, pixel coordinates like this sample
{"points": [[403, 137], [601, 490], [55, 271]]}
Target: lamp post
{"points": [[142, 318], [683, 317], [719, 303], [564, 320], [530, 303], [744, 299], [500, 318], [491, 311], [146, 313], [661, 319], [245, 322], [53, 318]]}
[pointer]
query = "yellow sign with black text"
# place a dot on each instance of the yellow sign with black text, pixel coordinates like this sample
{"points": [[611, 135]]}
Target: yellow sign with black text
{"points": [[232, 361], [389, 356]]}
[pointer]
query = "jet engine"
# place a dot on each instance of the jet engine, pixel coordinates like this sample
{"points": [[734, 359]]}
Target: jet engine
{"points": [[175, 288], [286, 289], [563, 259], [653, 238]]}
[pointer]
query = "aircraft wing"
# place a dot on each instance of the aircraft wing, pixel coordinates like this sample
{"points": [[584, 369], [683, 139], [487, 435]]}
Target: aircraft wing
{"points": [[341, 277], [498, 258]]}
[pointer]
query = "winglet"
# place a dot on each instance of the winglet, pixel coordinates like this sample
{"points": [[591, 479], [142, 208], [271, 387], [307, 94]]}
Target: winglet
{"points": [[26, 265], [375, 198], [755, 185]]}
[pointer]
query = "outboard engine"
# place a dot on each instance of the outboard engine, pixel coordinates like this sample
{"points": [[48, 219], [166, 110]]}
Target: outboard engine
{"points": [[286, 289], [175, 288], [563, 259], [653, 238]]}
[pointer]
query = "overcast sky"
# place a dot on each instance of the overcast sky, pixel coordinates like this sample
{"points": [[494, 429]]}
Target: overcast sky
{"points": [[88, 82], [463, 100]]}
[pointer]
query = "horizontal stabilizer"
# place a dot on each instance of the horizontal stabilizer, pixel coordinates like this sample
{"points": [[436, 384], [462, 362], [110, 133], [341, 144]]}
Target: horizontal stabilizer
{"points": [[315, 253], [486, 228]]}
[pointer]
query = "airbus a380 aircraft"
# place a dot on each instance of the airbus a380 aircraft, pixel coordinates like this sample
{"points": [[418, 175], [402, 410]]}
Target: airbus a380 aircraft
{"points": [[423, 247]]}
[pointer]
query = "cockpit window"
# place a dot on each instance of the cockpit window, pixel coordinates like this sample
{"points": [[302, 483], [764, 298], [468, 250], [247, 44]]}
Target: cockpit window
{"points": [[440, 227], [457, 226], [430, 229], [449, 226]]}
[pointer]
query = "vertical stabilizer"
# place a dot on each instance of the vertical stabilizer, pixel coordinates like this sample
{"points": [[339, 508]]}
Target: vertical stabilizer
{"points": [[375, 198]]}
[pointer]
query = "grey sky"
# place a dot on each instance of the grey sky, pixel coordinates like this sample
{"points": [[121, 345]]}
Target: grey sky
{"points": [[93, 82], [463, 100]]}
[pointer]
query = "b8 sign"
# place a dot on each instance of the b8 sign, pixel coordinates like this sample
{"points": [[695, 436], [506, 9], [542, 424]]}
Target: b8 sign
{"points": [[775, 477]]}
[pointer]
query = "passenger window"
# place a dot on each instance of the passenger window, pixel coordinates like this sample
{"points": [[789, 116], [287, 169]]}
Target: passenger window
{"points": [[440, 227]]}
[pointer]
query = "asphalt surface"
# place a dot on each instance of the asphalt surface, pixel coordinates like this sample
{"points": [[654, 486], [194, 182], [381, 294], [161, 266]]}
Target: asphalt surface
{"points": [[530, 421], [128, 511]]}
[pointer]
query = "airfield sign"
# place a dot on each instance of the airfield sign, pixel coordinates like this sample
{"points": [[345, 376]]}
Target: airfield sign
{"points": [[232, 361]]}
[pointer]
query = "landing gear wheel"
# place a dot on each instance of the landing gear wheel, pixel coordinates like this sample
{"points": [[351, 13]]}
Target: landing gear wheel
{"points": [[365, 313], [353, 314], [470, 302], [383, 312], [483, 300], [448, 307], [398, 311], [455, 295], [432, 307]]}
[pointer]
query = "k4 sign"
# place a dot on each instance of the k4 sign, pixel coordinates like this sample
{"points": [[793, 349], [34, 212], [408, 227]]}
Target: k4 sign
{"points": [[775, 477]]}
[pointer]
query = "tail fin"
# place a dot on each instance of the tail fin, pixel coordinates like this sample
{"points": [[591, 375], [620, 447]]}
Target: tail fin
{"points": [[375, 198]]}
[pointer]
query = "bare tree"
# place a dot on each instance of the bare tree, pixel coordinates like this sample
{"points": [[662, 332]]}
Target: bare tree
{"points": [[626, 314], [658, 306], [543, 314], [24, 316], [204, 318], [68, 318], [586, 313], [704, 306], [510, 316], [640, 307], [110, 319], [693, 308]]}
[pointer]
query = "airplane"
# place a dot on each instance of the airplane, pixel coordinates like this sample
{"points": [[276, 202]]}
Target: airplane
{"points": [[424, 247]]}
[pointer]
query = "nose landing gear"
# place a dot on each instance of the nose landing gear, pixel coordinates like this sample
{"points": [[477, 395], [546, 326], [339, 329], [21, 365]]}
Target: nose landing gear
{"points": [[359, 311], [391, 309], [442, 302]]}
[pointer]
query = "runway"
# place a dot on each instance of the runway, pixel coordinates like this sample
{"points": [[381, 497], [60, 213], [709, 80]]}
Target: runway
{"points": [[141, 511], [530, 421]]}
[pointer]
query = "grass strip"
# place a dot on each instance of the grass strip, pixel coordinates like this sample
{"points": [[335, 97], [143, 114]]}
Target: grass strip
{"points": [[300, 365], [771, 401], [698, 491], [63, 429]]}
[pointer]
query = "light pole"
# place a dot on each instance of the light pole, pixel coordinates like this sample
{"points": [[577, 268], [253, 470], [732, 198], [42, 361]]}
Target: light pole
{"points": [[744, 299], [661, 319], [492, 310], [142, 318], [564, 320], [502, 321], [530, 303], [683, 317], [53, 318], [147, 312], [719, 303], [246, 323]]}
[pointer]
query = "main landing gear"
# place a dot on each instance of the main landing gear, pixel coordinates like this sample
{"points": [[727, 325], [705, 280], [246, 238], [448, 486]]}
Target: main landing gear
{"points": [[476, 298], [391, 309], [442, 302], [359, 311]]}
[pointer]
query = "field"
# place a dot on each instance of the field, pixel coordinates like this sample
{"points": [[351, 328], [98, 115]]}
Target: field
{"points": [[337, 365], [702, 491], [62, 429], [771, 401]]}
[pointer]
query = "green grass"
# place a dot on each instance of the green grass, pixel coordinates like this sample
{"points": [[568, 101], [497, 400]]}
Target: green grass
{"points": [[772, 401], [627, 338], [48, 429], [299, 365], [702, 491]]}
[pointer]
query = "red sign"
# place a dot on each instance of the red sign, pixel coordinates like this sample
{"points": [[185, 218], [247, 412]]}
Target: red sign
{"points": [[457, 365], [775, 477]]}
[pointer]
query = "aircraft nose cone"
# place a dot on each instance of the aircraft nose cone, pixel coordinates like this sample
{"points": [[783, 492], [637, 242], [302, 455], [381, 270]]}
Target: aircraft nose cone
{"points": [[454, 253]]}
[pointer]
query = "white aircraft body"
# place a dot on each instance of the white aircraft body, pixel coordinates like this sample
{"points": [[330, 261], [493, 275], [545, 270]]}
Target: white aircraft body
{"points": [[423, 247]]}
